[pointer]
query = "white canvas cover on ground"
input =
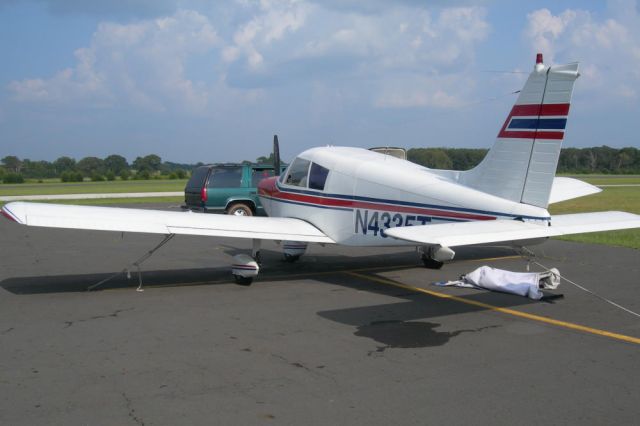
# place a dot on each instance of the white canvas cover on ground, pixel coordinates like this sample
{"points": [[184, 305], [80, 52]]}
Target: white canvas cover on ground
{"points": [[521, 283]]}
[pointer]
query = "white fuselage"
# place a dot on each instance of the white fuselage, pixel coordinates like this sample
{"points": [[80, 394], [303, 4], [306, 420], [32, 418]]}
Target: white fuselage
{"points": [[367, 192]]}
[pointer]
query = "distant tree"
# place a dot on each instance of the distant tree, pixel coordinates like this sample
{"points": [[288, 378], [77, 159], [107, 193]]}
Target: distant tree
{"points": [[64, 164], [465, 158], [115, 163], [110, 175], [90, 165], [125, 174], [13, 178], [627, 157], [71, 176], [569, 161], [151, 163], [180, 174], [265, 160], [97, 177], [435, 158], [12, 163], [143, 175], [38, 169]]}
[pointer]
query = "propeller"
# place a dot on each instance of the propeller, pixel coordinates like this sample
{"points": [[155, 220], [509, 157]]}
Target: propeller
{"points": [[276, 156]]}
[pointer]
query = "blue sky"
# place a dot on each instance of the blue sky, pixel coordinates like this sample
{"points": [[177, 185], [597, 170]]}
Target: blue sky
{"points": [[194, 80]]}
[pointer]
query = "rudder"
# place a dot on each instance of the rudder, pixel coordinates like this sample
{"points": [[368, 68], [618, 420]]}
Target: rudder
{"points": [[522, 163]]}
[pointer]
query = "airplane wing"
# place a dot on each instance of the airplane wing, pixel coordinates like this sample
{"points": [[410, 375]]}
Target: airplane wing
{"points": [[494, 231], [162, 222]]}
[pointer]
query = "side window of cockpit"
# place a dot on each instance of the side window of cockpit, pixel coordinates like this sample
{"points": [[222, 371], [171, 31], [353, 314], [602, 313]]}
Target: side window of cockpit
{"points": [[298, 172], [317, 176]]}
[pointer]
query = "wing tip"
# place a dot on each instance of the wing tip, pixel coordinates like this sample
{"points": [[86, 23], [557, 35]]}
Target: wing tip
{"points": [[6, 212]]}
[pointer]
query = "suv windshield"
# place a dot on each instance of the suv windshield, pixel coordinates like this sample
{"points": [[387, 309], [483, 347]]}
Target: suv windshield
{"points": [[258, 174], [225, 177]]}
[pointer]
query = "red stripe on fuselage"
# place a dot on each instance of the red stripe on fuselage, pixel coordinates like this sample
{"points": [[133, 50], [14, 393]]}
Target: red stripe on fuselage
{"points": [[274, 193]]}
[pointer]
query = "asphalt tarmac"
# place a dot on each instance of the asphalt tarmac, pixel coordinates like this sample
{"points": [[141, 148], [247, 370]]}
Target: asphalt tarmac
{"points": [[344, 336]]}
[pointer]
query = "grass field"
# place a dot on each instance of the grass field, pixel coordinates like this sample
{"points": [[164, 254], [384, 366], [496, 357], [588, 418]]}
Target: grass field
{"points": [[608, 179], [93, 187], [611, 198]]}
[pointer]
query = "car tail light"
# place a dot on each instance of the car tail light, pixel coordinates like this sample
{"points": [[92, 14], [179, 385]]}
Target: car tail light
{"points": [[203, 194]]}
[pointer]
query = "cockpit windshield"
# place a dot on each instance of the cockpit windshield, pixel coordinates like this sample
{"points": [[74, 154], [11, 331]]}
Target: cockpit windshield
{"points": [[297, 173], [306, 174]]}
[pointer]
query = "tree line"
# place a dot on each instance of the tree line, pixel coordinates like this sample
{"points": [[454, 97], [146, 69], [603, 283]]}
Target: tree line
{"points": [[67, 169], [604, 160], [600, 160]]}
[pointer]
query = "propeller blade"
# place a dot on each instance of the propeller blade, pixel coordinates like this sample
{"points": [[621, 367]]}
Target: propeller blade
{"points": [[276, 156]]}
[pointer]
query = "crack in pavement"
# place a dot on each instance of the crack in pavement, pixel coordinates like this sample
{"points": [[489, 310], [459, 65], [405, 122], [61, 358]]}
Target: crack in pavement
{"points": [[132, 411], [114, 314]]}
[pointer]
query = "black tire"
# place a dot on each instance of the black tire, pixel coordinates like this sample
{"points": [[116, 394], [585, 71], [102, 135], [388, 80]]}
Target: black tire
{"points": [[240, 209], [290, 258], [246, 281], [431, 263]]}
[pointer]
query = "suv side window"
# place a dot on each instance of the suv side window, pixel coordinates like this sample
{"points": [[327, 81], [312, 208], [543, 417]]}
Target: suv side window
{"points": [[225, 177], [318, 176], [258, 174], [298, 171]]}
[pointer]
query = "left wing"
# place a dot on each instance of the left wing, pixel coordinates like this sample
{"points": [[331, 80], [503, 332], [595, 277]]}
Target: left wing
{"points": [[162, 222], [494, 231]]}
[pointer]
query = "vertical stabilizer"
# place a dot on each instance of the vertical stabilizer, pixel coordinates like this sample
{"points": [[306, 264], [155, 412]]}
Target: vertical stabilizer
{"points": [[522, 163]]}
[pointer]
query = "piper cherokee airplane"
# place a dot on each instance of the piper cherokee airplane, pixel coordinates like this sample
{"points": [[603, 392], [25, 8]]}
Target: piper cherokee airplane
{"points": [[356, 197]]}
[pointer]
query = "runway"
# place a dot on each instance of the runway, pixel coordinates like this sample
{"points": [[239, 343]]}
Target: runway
{"points": [[345, 336]]}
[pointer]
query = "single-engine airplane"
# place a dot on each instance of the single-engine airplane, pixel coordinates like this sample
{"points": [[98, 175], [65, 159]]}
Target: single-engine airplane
{"points": [[356, 197]]}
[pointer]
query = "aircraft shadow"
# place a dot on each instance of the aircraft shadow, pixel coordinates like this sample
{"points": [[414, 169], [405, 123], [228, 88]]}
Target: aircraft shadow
{"points": [[402, 323], [82, 282]]}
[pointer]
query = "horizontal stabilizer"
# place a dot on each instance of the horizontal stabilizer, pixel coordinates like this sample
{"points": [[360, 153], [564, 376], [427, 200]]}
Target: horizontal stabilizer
{"points": [[162, 222], [495, 231], [564, 188]]}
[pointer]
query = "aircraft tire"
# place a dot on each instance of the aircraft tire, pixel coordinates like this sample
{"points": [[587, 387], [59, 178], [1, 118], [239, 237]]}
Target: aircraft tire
{"points": [[246, 281], [291, 258], [431, 263]]}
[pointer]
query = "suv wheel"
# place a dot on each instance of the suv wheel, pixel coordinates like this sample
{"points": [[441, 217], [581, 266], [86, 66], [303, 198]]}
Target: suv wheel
{"points": [[240, 209]]}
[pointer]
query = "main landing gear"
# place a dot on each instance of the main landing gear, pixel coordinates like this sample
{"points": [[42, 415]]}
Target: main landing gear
{"points": [[245, 268], [433, 257], [292, 250]]}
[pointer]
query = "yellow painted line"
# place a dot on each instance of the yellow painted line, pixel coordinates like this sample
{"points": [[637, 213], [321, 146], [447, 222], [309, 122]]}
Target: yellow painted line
{"points": [[508, 311]]}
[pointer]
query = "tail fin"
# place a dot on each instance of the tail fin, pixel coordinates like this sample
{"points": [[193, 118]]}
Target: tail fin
{"points": [[522, 163]]}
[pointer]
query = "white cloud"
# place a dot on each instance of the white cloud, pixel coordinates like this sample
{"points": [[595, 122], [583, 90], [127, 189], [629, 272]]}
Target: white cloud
{"points": [[398, 57], [441, 92], [608, 48], [273, 20], [141, 64]]}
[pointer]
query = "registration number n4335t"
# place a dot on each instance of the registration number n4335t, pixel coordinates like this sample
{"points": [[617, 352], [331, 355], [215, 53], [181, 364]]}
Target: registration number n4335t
{"points": [[372, 222]]}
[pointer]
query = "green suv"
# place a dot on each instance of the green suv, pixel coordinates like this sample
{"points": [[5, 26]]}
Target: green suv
{"points": [[229, 188]]}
